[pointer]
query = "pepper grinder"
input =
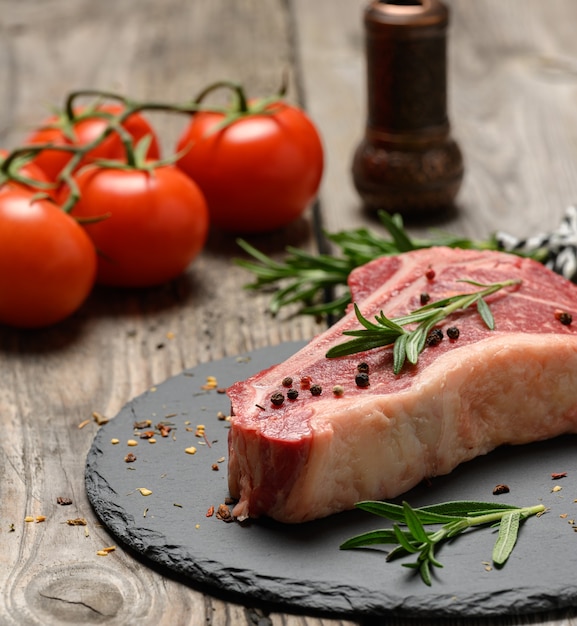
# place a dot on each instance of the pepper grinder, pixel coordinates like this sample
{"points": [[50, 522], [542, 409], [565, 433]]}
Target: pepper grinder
{"points": [[407, 162]]}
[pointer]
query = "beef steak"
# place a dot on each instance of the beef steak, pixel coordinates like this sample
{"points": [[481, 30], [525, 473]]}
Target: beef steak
{"points": [[320, 453]]}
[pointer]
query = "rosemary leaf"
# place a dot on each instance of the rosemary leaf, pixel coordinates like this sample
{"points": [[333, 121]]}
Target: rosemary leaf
{"points": [[409, 534], [485, 313], [408, 344], [508, 532]]}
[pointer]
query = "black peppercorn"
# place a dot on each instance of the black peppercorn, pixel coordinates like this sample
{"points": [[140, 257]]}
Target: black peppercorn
{"points": [[277, 398], [362, 379], [363, 367], [453, 332], [425, 297], [316, 390], [287, 381], [435, 337], [292, 394]]}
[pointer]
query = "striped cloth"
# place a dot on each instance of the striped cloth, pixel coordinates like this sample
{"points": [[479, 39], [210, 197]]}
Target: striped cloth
{"points": [[557, 250]]}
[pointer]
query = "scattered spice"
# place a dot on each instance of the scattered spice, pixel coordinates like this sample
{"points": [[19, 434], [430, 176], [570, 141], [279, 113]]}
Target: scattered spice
{"points": [[130, 458], [99, 418], [114, 441], [362, 380], [143, 424], [223, 513], [435, 337], [106, 551], [500, 489], [144, 491], [277, 398], [425, 298], [63, 501], [564, 317], [287, 381], [132, 442], [338, 390], [306, 382], [214, 467], [40, 518], [77, 521], [558, 475], [453, 333], [292, 394], [152, 440], [28, 519], [146, 434], [221, 390], [430, 274], [363, 367], [163, 429], [83, 424], [211, 383], [210, 511], [190, 450], [556, 488], [316, 390]]}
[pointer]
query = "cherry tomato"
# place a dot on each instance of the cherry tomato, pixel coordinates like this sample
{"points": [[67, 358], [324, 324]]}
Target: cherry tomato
{"points": [[47, 262], [87, 129], [155, 223], [258, 173]]}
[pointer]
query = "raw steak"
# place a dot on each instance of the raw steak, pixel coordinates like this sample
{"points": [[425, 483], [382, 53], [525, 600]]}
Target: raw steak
{"points": [[319, 454]]}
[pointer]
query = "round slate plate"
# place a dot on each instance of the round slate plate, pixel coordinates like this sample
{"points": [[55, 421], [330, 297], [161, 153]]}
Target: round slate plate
{"points": [[300, 568]]}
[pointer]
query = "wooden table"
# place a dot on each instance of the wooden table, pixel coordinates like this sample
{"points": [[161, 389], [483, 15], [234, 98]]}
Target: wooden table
{"points": [[512, 97]]}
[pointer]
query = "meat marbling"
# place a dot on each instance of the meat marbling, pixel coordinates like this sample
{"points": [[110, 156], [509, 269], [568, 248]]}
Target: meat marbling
{"points": [[318, 455]]}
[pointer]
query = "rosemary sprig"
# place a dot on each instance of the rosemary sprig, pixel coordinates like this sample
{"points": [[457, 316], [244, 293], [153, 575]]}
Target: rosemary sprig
{"points": [[408, 344], [409, 534], [304, 278]]}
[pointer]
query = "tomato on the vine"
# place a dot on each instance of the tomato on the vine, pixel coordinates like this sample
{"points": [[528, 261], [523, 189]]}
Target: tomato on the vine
{"points": [[259, 169], [47, 262], [27, 170], [88, 125], [154, 222]]}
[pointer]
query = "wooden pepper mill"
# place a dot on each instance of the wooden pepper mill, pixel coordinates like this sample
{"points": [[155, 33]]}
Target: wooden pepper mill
{"points": [[407, 162]]}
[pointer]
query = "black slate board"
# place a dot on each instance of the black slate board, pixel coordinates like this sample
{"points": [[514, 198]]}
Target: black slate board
{"points": [[300, 568]]}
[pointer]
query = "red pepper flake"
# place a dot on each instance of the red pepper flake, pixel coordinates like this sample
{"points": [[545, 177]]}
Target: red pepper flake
{"points": [[558, 475], [430, 273], [306, 382], [564, 317], [130, 458], [210, 511], [147, 434], [500, 489], [214, 467]]}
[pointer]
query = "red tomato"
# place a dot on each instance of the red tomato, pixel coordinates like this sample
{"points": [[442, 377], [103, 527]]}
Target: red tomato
{"points": [[47, 262], [258, 173], [88, 129], [157, 223]]}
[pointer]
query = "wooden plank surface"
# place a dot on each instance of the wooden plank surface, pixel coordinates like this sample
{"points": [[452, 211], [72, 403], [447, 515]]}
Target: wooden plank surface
{"points": [[513, 74]]}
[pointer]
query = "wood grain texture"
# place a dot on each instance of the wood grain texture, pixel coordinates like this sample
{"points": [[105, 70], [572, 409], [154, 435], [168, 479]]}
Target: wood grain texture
{"points": [[513, 73]]}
